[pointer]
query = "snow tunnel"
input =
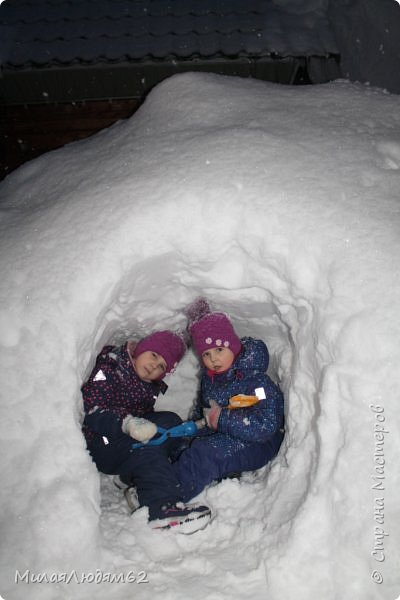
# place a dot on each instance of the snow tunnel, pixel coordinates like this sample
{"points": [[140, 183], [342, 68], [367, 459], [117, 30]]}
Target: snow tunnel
{"points": [[223, 188]]}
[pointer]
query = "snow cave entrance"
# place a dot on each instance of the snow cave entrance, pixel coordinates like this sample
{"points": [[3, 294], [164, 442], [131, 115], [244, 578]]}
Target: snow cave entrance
{"points": [[152, 296]]}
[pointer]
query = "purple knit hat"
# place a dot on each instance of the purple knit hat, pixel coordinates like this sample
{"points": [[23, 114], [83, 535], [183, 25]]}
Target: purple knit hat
{"points": [[211, 329], [168, 344]]}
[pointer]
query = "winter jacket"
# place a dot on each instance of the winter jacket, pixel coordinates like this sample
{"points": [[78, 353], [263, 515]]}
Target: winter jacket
{"points": [[257, 423], [113, 391]]}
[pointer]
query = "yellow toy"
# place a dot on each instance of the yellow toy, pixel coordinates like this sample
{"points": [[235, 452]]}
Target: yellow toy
{"points": [[242, 400]]}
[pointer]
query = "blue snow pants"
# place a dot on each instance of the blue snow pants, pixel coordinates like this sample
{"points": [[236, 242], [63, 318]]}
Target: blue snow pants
{"points": [[148, 468], [217, 456]]}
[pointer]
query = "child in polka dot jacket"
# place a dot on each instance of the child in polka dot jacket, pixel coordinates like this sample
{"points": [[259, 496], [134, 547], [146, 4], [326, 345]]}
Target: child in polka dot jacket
{"points": [[241, 438], [118, 400]]}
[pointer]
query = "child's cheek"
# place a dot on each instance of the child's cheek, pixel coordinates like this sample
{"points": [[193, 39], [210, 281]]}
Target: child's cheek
{"points": [[206, 363]]}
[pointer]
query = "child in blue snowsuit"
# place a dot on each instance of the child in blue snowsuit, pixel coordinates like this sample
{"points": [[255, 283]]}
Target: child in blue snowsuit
{"points": [[242, 439], [119, 399]]}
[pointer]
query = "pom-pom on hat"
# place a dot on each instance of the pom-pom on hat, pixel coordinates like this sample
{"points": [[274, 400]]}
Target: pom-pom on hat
{"points": [[168, 344], [211, 329]]}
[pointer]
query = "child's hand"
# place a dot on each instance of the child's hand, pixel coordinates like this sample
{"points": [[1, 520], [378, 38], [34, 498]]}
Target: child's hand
{"points": [[212, 415], [139, 429]]}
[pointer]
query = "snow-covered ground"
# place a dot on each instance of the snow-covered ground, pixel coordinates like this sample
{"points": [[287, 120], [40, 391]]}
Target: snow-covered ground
{"points": [[281, 205]]}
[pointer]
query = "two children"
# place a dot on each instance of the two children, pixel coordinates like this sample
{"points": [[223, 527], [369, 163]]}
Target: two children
{"points": [[118, 400], [242, 410]]}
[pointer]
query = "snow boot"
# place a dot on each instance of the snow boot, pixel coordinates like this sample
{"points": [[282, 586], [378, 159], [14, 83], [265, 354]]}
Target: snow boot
{"points": [[132, 498], [181, 518], [129, 492]]}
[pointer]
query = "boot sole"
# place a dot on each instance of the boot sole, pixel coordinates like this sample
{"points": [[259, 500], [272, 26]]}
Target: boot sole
{"points": [[187, 525]]}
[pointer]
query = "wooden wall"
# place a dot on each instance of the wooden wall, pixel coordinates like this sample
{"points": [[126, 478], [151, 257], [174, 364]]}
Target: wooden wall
{"points": [[30, 130]]}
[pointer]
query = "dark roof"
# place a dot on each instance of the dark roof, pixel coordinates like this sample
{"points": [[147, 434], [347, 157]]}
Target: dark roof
{"points": [[46, 33]]}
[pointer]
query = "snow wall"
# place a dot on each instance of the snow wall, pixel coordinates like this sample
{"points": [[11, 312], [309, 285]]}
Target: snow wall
{"points": [[281, 206]]}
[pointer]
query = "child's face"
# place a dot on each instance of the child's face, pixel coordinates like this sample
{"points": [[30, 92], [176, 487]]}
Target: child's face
{"points": [[218, 359], [150, 366]]}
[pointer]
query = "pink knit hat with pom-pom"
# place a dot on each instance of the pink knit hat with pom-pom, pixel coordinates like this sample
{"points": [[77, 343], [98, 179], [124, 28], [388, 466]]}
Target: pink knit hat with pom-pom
{"points": [[210, 329], [168, 344]]}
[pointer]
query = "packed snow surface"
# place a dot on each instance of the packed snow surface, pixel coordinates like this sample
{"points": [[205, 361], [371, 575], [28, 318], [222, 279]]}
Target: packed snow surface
{"points": [[281, 206]]}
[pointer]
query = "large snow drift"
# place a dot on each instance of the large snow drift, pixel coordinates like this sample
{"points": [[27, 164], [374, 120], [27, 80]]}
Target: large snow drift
{"points": [[281, 205]]}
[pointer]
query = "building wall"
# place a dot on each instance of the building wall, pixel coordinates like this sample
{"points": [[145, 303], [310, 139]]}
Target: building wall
{"points": [[368, 35], [31, 130]]}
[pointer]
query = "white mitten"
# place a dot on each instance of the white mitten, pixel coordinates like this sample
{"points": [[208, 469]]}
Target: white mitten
{"points": [[138, 428]]}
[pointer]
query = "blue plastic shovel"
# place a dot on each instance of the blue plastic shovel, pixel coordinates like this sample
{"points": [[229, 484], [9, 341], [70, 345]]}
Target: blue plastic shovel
{"points": [[184, 429]]}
